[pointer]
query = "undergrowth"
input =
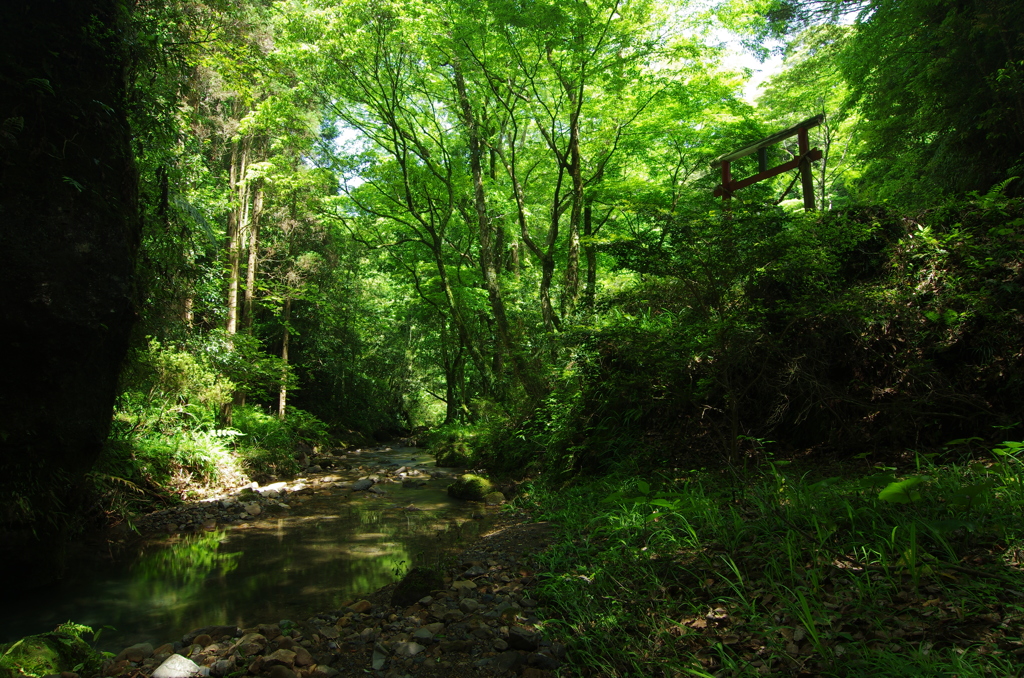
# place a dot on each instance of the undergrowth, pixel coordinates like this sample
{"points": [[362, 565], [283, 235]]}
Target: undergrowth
{"points": [[912, 572], [169, 442]]}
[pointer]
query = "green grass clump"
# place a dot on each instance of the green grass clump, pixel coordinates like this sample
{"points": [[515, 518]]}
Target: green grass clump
{"points": [[879, 572], [470, 487]]}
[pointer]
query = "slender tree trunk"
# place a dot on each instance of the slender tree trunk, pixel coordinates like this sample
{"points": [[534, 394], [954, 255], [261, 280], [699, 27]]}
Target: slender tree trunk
{"points": [[282, 394], [236, 233], [590, 291], [572, 263], [547, 261], [253, 263]]}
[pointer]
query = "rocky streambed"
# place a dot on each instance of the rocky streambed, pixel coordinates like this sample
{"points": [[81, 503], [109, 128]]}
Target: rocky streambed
{"points": [[303, 549], [357, 474], [482, 619]]}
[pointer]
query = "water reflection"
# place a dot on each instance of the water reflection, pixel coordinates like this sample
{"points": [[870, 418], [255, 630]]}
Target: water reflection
{"points": [[316, 557]]}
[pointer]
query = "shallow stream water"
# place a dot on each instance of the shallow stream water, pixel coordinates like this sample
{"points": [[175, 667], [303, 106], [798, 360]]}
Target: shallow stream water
{"points": [[323, 552]]}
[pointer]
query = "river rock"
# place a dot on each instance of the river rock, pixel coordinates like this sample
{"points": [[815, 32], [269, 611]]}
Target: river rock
{"points": [[214, 632], [543, 661], [469, 605], [302, 656], [177, 666], [136, 653], [280, 671], [494, 498], [363, 484], [416, 584], [361, 606], [510, 660], [522, 639], [407, 649], [456, 646], [222, 667], [280, 658], [250, 643], [253, 509]]}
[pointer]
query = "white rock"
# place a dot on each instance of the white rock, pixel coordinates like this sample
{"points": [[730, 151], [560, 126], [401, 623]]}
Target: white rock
{"points": [[177, 666], [253, 509], [408, 649]]}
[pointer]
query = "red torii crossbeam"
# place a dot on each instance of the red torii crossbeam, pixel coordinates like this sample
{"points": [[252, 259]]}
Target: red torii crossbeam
{"points": [[803, 160]]}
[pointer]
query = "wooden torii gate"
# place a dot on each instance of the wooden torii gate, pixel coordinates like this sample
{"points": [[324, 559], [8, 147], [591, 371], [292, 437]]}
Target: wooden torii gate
{"points": [[803, 160]]}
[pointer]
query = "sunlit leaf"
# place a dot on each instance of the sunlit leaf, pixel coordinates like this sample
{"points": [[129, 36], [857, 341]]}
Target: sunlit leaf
{"points": [[902, 491]]}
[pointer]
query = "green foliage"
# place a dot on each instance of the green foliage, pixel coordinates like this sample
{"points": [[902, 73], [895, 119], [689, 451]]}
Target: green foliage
{"points": [[722, 568], [845, 329], [453, 445], [168, 438], [50, 653], [270, 444]]}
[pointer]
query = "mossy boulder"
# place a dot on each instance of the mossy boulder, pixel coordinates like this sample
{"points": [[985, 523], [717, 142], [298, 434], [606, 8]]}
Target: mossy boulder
{"points": [[494, 498], [48, 654], [470, 487], [417, 583]]}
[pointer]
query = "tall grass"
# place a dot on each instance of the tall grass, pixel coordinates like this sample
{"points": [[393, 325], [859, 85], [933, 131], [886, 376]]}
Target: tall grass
{"points": [[777, 573]]}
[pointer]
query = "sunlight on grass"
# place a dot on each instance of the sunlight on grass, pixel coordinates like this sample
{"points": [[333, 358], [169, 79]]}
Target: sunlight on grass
{"points": [[779, 573]]}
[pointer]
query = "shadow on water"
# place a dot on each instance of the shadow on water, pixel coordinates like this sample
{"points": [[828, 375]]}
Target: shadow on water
{"points": [[321, 554]]}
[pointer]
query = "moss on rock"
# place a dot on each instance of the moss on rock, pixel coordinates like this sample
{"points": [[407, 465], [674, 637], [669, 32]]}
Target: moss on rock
{"points": [[470, 487], [48, 654]]}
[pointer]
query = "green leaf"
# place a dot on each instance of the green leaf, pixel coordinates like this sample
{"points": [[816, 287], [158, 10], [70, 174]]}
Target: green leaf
{"points": [[643, 486], [827, 482], [968, 495], [902, 491], [876, 480], [950, 525]]}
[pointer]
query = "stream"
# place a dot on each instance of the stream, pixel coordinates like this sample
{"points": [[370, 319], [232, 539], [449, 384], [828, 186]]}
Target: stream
{"points": [[326, 550]]}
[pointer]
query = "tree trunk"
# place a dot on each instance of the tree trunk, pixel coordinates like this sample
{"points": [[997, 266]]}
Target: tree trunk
{"points": [[590, 291], [572, 263], [236, 232], [69, 239], [487, 243], [282, 394], [253, 263]]}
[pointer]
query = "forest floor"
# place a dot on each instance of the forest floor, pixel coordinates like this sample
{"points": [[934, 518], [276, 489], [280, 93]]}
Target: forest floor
{"points": [[911, 569]]}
